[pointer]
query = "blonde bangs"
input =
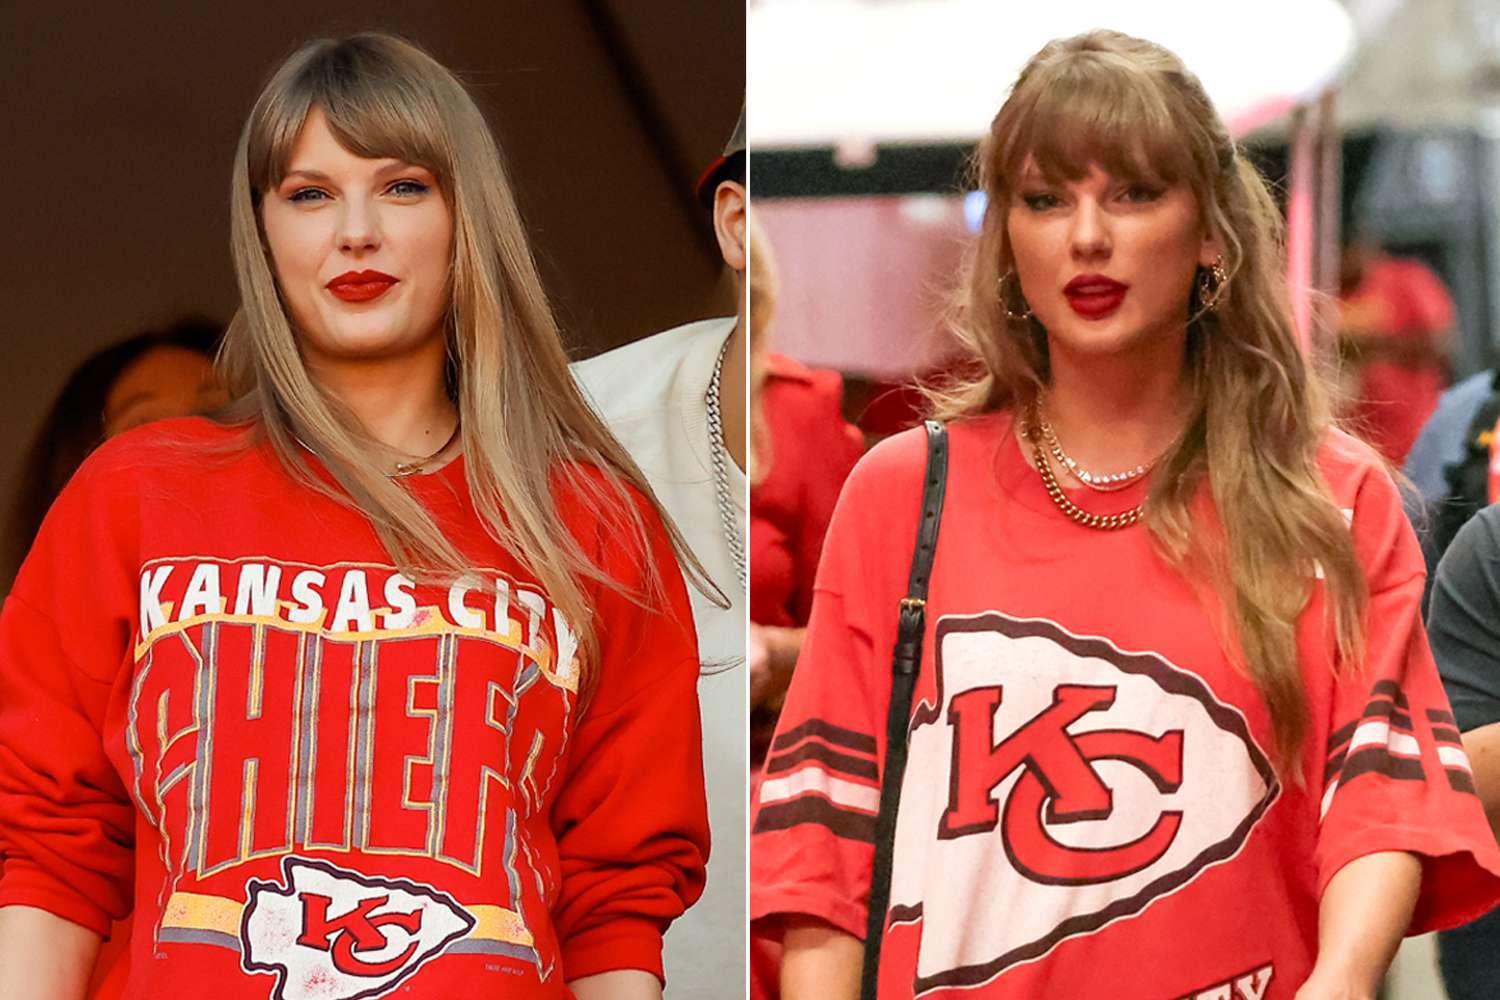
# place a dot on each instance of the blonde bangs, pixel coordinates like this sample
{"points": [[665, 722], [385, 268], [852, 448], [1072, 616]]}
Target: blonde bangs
{"points": [[373, 108], [1094, 111]]}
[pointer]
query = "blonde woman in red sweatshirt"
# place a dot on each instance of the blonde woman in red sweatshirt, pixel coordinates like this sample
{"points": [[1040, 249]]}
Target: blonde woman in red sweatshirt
{"points": [[386, 680]]}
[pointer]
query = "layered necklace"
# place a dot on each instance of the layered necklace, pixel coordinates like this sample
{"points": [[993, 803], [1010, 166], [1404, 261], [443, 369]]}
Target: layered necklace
{"points": [[720, 458], [1043, 439]]}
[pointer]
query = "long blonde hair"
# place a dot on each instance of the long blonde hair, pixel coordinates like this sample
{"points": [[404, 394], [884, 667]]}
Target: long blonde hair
{"points": [[1259, 408], [527, 432]]}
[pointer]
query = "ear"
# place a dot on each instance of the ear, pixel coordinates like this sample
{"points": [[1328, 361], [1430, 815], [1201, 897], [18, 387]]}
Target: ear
{"points": [[1212, 249], [729, 224]]}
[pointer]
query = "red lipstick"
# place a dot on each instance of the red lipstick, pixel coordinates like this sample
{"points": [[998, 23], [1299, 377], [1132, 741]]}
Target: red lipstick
{"points": [[361, 286], [1093, 296]]}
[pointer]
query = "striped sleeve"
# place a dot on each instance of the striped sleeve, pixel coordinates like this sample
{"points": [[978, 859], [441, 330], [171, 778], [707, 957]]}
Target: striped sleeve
{"points": [[823, 774], [813, 832], [1396, 777]]}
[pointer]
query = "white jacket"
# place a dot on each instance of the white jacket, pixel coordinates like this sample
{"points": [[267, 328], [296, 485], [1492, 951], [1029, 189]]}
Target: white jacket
{"points": [[653, 396]]}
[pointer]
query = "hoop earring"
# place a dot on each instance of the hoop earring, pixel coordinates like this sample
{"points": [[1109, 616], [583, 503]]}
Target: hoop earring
{"points": [[1212, 281], [1011, 313]]}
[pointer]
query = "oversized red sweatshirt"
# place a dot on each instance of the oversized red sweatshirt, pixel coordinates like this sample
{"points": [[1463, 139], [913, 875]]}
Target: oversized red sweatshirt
{"points": [[314, 778]]}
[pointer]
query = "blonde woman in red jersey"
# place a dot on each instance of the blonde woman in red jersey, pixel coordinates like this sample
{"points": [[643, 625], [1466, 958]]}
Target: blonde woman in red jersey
{"points": [[1176, 730], [388, 681]]}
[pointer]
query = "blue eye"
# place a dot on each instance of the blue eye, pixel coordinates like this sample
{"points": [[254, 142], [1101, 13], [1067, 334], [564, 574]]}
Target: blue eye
{"points": [[1140, 194], [408, 188], [307, 194]]}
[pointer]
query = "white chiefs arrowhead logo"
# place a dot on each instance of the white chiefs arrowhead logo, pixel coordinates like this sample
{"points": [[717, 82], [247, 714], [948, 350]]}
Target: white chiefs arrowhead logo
{"points": [[329, 933], [1059, 784]]}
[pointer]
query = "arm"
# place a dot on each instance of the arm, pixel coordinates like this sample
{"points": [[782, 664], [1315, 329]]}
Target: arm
{"points": [[819, 963], [630, 816], [1483, 747], [1364, 913], [622, 984], [43, 957]]}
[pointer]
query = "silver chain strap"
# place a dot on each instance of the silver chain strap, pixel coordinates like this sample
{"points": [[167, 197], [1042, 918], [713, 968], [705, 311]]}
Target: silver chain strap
{"points": [[720, 459]]}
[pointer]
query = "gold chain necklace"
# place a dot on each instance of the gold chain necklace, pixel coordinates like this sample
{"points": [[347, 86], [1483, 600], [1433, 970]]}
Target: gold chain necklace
{"points": [[404, 469], [1100, 522]]}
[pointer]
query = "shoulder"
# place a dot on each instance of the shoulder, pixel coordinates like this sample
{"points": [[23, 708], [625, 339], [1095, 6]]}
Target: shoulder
{"points": [[641, 372], [896, 466], [163, 448], [1351, 466]]}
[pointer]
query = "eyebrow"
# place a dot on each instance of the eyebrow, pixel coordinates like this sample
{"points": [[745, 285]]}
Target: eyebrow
{"points": [[393, 167]]}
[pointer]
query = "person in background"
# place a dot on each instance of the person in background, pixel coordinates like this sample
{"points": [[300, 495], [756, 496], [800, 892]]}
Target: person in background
{"points": [[150, 376], [676, 401], [153, 375], [807, 452], [1454, 466], [1395, 323], [1463, 625]]}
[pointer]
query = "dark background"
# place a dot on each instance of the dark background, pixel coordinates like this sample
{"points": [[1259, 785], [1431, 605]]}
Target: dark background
{"points": [[122, 120]]}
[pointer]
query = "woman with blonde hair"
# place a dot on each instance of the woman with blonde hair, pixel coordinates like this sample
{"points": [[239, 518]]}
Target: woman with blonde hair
{"points": [[1175, 730], [387, 681]]}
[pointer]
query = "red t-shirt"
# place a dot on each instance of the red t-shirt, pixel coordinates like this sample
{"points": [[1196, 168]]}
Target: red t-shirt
{"points": [[317, 778], [812, 449], [1089, 807]]}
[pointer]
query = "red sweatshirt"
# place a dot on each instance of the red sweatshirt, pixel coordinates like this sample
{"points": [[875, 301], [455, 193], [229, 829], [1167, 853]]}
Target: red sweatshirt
{"points": [[1089, 807], [316, 779]]}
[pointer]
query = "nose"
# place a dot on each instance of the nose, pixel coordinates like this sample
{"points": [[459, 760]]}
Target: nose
{"points": [[1089, 237], [359, 226]]}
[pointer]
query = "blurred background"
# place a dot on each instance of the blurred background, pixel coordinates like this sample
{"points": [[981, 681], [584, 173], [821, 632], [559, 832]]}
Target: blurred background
{"points": [[124, 117]]}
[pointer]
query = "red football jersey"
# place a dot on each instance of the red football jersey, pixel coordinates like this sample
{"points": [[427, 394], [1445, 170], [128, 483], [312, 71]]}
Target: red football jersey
{"points": [[318, 778], [1090, 807]]}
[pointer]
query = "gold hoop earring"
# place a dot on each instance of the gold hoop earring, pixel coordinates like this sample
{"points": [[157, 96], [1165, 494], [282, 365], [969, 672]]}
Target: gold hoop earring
{"points": [[1212, 282], [1011, 313]]}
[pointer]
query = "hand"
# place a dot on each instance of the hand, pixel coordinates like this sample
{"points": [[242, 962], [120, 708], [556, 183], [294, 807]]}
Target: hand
{"points": [[758, 655], [772, 654]]}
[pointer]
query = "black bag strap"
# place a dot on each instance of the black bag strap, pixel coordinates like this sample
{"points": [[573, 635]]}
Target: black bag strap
{"points": [[904, 663]]}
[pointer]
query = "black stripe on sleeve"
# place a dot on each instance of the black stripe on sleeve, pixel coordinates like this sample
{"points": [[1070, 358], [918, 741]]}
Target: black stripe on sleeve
{"points": [[1447, 734], [841, 763], [1378, 760], [827, 732], [1461, 781], [818, 811], [1341, 735]]}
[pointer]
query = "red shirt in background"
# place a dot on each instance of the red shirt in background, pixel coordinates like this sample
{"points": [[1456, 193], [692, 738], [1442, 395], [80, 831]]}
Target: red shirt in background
{"points": [[1089, 807], [317, 777], [1398, 298], [812, 450]]}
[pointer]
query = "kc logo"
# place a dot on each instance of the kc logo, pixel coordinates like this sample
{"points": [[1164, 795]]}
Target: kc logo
{"points": [[334, 934], [1056, 785]]}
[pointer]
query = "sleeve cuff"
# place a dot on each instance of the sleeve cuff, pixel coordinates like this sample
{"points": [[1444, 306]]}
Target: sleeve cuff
{"points": [[851, 918], [1458, 885], [620, 943]]}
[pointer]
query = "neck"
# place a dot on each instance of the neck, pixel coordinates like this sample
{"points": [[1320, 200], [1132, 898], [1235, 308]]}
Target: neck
{"points": [[732, 404], [401, 402], [1113, 413]]}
